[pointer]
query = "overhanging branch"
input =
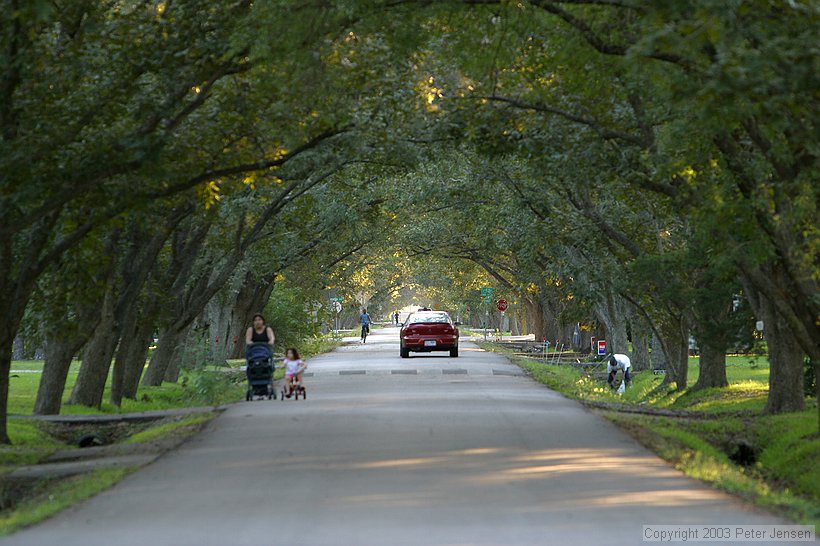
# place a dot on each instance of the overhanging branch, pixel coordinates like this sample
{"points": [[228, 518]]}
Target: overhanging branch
{"points": [[604, 132]]}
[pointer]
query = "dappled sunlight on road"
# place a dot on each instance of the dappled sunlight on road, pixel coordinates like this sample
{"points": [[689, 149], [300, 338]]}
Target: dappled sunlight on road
{"points": [[397, 463], [586, 477], [585, 473], [662, 497], [398, 500], [478, 451], [323, 462], [578, 460]]}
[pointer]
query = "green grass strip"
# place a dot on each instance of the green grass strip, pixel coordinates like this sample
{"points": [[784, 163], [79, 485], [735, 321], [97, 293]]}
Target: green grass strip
{"points": [[167, 429], [59, 497]]}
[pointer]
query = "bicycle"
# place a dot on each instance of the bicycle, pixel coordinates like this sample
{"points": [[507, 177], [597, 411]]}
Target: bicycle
{"points": [[365, 331]]}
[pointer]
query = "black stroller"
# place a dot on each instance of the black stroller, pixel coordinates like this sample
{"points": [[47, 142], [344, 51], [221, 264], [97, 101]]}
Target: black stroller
{"points": [[259, 371]]}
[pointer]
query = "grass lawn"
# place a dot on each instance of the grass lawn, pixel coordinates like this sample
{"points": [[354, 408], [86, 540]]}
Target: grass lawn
{"points": [[194, 389], [770, 460], [49, 497], [30, 444]]}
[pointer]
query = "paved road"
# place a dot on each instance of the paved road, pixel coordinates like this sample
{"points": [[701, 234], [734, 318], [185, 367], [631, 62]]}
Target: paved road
{"points": [[386, 451]]}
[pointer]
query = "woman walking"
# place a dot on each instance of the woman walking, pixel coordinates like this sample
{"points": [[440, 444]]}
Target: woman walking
{"points": [[259, 332]]}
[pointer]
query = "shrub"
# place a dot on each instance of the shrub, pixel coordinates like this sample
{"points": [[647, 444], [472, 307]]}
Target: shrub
{"points": [[288, 314]]}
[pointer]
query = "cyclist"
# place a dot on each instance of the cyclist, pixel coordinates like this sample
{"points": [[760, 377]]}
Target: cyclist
{"points": [[365, 320]]}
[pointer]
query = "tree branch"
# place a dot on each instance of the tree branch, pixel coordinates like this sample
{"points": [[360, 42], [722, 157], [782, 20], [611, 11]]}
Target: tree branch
{"points": [[603, 132], [605, 227], [208, 176], [598, 43]]}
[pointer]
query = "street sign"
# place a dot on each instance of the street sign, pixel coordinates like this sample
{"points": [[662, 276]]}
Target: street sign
{"points": [[601, 347], [502, 305], [487, 291], [487, 300], [337, 306], [336, 299]]}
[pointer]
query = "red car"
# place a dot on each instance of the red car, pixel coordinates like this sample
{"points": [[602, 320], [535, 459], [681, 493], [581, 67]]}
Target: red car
{"points": [[427, 331]]}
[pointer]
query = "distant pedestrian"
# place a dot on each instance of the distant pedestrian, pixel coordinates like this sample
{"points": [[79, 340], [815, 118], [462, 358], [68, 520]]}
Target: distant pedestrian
{"points": [[396, 318], [619, 362]]}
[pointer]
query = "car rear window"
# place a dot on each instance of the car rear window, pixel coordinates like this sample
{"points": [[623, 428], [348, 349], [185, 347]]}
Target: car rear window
{"points": [[428, 318]]}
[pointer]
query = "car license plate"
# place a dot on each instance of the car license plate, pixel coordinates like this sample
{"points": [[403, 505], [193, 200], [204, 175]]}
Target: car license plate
{"points": [[430, 343]]}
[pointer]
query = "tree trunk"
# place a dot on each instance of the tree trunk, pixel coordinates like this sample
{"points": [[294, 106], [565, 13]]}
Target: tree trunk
{"points": [[712, 368], [785, 356], [90, 385], [173, 369], [6, 343], [136, 269], [658, 357], [536, 314], [785, 365], [193, 352], [713, 331], [17, 282], [219, 317], [135, 360], [137, 333], [188, 306], [641, 336], [59, 354], [130, 338], [785, 371], [610, 312], [252, 298], [185, 356], [514, 328], [162, 357], [674, 342], [135, 357], [66, 333], [680, 373], [19, 351], [523, 323]]}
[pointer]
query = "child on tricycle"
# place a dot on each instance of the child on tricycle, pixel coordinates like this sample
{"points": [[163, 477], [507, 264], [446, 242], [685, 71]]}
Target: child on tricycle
{"points": [[294, 369]]}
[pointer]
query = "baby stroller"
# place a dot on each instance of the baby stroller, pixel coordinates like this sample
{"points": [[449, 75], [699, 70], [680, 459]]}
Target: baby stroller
{"points": [[259, 371]]}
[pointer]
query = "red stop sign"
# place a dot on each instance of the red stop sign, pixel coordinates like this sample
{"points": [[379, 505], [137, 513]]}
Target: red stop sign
{"points": [[502, 305]]}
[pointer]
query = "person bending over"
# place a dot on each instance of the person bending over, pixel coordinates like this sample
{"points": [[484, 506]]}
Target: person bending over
{"points": [[619, 362]]}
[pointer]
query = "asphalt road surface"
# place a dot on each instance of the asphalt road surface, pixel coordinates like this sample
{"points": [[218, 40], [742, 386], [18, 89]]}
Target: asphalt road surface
{"points": [[386, 451]]}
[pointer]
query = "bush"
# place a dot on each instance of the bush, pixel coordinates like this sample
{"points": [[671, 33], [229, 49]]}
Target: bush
{"points": [[212, 388], [288, 314]]}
